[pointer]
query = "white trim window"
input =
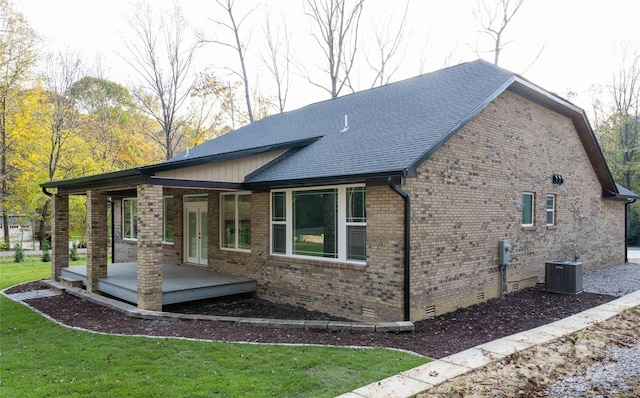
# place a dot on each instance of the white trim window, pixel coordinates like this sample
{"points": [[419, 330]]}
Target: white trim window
{"points": [[168, 216], [235, 221], [551, 210], [326, 223], [528, 211], [130, 218]]}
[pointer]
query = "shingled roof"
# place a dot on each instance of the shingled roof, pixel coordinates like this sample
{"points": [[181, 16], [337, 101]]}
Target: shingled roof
{"points": [[380, 132], [384, 131]]}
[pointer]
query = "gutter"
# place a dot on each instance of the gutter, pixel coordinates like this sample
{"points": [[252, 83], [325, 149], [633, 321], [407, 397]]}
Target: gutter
{"points": [[407, 246]]}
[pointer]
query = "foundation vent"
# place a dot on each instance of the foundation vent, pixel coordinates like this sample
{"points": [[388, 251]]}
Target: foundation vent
{"points": [[430, 311], [514, 286], [305, 301], [480, 296], [368, 313]]}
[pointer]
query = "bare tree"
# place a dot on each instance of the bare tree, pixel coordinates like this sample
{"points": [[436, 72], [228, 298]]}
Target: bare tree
{"points": [[161, 55], [388, 46], [61, 72], [278, 60], [337, 35], [619, 129], [494, 16], [59, 120], [238, 46]]}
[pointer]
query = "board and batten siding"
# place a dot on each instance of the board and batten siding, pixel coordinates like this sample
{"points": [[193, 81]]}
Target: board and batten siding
{"points": [[233, 170]]}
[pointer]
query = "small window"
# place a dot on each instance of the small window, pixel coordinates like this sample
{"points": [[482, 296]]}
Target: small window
{"points": [[527, 209], [235, 219], [168, 216], [356, 223], [551, 210], [278, 222], [129, 218]]}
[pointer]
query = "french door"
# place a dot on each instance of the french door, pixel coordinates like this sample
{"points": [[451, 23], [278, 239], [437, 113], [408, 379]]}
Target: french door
{"points": [[195, 221]]}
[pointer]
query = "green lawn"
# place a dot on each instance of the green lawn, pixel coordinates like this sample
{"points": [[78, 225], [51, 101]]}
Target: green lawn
{"points": [[41, 359]]}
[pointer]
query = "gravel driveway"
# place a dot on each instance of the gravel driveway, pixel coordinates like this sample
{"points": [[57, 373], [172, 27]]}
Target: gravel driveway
{"points": [[609, 376]]}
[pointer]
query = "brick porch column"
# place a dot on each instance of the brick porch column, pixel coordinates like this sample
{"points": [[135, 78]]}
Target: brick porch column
{"points": [[150, 247], [97, 234], [59, 234]]}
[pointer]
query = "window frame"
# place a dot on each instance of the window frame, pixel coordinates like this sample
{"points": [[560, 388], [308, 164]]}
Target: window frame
{"points": [[133, 219], [342, 224], [551, 210], [165, 215], [532, 195], [236, 196]]}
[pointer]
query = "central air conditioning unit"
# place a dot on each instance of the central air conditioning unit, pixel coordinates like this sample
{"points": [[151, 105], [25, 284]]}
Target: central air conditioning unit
{"points": [[563, 277]]}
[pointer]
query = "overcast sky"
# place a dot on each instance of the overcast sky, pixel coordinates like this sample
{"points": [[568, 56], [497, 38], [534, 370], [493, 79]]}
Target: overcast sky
{"points": [[581, 38]]}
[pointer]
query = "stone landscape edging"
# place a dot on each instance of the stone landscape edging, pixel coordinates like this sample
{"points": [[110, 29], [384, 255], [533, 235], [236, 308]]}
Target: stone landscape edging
{"points": [[134, 312]]}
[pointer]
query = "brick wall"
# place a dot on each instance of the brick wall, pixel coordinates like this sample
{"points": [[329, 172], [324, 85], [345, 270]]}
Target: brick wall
{"points": [[468, 196], [339, 288]]}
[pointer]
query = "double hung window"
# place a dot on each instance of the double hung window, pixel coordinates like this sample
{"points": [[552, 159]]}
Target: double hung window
{"points": [[527, 209], [551, 210], [167, 219], [235, 218], [129, 218]]}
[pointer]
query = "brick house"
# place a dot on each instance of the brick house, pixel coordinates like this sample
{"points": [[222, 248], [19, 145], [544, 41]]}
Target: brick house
{"points": [[382, 205]]}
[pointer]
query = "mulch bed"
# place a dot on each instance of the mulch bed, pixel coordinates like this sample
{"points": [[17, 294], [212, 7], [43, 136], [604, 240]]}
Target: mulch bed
{"points": [[436, 338]]}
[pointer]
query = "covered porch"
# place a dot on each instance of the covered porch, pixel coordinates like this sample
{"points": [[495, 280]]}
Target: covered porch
{"points": [[179, 283], [151, 271]]}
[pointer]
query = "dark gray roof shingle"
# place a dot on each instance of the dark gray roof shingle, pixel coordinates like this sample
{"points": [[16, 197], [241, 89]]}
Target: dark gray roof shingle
{"points": [[391, 128]]}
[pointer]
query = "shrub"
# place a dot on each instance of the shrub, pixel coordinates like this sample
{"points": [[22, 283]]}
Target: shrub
{"points": [[46, 254], [18, 257], [4, 246], [73, 252]]}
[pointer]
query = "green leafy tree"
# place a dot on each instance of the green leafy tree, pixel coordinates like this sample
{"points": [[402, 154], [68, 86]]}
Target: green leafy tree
{"points": [[17, 58]]}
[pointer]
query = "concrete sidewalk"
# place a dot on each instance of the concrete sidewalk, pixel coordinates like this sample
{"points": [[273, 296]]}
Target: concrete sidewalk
{"points": [[417, 380]]}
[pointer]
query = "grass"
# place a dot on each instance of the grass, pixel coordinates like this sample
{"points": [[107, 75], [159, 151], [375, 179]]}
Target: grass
{"points": [[39, 358]]}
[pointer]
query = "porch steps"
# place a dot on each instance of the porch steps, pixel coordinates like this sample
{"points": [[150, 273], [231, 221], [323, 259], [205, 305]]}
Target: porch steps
{"points": [[69, 281]]}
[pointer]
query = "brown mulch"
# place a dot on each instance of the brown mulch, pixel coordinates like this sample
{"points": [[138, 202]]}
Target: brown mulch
{"points": [[436, 338]]}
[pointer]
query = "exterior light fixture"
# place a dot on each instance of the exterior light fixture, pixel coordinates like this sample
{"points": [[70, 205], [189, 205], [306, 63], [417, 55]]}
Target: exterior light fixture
{"points": [[557, 179]]}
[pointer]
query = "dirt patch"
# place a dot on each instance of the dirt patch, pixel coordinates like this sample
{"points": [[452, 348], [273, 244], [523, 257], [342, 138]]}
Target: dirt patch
{"points": [[436, 338], [578, 357]]}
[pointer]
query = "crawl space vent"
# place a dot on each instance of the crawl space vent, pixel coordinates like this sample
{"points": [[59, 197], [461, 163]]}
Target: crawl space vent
{"points": [[430, 311], [480, 296], [305, 301], [514, 286], [368, 313]]}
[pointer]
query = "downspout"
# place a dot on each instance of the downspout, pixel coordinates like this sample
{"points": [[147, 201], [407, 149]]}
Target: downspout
{"points": [[113, 232], [407, 246], [626, 228]]}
